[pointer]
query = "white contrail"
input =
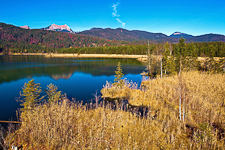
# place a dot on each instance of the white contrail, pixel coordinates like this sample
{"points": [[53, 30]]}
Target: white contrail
{"points": [[123, 23], [115, 13]]}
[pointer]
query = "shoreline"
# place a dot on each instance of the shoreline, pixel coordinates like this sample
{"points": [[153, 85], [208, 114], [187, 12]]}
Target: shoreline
{"points": [[141, 58]]}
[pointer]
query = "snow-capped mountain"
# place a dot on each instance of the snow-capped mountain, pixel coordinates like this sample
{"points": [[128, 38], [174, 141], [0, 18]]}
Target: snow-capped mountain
{"points": [[61, 28]]}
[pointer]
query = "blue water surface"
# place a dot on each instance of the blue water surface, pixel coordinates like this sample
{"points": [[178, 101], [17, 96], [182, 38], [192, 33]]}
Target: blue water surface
{"points": [[78, 78]]}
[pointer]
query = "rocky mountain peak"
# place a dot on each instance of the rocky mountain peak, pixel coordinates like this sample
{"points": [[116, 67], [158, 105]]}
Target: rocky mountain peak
{"points": [[180, 34], [62, 28], [25, 27]]}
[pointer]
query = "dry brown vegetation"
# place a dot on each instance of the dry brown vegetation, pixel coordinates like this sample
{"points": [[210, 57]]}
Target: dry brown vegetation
{"points": [[71, 125], [75, 55], [202, 97]]}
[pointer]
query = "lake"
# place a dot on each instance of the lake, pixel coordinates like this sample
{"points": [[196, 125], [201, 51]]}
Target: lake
{"points": [[79, 78]]}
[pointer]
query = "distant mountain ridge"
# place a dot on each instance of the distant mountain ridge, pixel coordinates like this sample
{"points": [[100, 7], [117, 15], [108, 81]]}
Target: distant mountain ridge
{"points": [[121, 34], [126, 35], [207, 38], [134, 35], [96, 28]]}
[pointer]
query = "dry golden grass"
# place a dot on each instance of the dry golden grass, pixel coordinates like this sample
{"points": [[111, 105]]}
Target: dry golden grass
{"points": [[200, 91], [141, 58], [96, 55], [202, 96], [72, 126], [202, 59]]}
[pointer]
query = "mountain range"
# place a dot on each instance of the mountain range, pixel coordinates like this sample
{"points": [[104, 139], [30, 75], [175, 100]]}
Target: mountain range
{"points": [[133, 35], [121, 34], [20, 38]]}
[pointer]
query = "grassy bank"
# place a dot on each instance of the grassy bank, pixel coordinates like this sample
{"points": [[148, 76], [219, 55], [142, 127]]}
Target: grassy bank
{"points": [[196, 99], [202, 96]]}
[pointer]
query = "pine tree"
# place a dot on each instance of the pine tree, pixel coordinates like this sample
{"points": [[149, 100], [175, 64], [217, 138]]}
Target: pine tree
{"points": [[148, 67], [169, 62], [53, 94], [31, 95], [191, 60], [119, 76]]}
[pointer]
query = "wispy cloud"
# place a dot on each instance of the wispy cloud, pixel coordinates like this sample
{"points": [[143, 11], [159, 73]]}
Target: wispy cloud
{"points": [[114, 6], [115, 10]]}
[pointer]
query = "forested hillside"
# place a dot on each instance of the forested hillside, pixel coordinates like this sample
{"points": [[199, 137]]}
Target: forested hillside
{"points": [[127, 35], [14, 39], [207, 38]]}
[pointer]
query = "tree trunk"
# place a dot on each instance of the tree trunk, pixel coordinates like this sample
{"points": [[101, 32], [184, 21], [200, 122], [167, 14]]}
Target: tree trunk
{"points": [[180, 65], [183, 109], [180, 104], [161, 66]]}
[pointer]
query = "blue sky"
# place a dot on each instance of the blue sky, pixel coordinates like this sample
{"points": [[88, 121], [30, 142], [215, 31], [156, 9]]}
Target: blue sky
{"points": [[194, 17]]}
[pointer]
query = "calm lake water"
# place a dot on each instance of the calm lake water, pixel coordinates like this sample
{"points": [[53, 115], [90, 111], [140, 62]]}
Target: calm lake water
{"points": [[78, 78]]}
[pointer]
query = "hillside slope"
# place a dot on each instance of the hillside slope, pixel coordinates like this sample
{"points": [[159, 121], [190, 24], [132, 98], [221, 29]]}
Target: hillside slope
{"points": [[14, 38], [126, 35], [207, 38], [133, 35]]}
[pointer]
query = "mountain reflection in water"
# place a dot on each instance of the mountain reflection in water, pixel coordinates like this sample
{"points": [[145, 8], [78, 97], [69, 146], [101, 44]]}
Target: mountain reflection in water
{"points": [[79, 78]]}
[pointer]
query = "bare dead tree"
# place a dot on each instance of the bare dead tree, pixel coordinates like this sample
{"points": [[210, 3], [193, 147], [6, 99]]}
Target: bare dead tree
{"points": [[4, 143], [2, 138], [182, 97], [97, 98]]}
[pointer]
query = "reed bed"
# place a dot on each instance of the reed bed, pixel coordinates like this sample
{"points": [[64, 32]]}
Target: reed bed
{"points": [[196, 99], [68, 125]]}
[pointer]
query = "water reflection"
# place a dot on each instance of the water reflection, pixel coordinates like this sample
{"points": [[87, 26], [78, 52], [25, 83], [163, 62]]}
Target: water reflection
{"points": [[28, 66], [79, 78]]}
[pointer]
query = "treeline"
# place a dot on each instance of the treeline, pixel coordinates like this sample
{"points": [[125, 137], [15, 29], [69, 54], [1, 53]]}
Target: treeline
{"points": [[122, 49], [170, 59], [215, 49]]}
